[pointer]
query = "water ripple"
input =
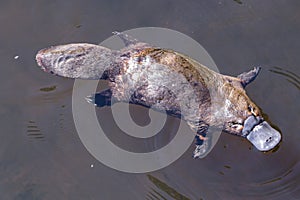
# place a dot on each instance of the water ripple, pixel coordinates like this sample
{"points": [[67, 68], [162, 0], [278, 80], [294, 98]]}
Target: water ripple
{"points": [[291, 77], [286, 183]]}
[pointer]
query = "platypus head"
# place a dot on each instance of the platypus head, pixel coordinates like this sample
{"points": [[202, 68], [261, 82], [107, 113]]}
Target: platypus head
{"points": [[253, 127], [260, 133], [244, 118]]}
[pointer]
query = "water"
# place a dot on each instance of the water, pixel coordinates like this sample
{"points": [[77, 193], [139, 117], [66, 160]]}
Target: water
{"points": [[41, 156]]}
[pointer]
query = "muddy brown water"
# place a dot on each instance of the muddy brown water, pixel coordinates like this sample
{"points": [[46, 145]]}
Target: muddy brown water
{"points": [[41, 155]]}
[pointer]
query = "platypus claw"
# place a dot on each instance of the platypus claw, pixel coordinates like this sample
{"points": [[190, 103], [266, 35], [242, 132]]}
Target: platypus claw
{"points": [[200, 150], [202, 137], [202, 146], [91, 99]]}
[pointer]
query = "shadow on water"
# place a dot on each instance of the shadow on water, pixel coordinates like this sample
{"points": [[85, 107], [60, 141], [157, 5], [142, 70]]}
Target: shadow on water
{"points": [[154, 194], [291, 77]]}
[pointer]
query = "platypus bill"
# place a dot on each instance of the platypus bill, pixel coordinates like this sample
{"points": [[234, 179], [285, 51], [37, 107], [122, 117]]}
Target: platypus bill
{"points": [[166, 80]]}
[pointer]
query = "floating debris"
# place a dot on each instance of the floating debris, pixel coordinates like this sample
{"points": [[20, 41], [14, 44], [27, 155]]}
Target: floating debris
{"points": [[48, 89], [78, 25], [227, 166], [238, 1]]}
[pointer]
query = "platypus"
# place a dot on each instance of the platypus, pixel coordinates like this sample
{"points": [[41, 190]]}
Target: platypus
{"points": [[168, 81]]}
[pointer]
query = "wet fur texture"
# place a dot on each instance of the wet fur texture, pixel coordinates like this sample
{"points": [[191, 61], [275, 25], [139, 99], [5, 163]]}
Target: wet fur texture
{"points": [[162, 79]]}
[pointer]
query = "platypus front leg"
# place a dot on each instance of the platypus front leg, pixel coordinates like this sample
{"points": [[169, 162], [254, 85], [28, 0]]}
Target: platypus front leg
{"points": [[100, 99], [201, 146], [202, 141]]}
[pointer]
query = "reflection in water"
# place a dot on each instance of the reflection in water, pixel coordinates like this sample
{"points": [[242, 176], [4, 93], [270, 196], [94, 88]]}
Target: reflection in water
{"points": [[46, 96], [164, 187], [154, 195], [290, 76], [33, 131]]}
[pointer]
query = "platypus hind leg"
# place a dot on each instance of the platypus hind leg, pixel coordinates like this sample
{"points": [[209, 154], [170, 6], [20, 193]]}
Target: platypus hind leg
{"points": [[126, 39], [202, 145], [248, 77], [131, 44], [203, 139]]}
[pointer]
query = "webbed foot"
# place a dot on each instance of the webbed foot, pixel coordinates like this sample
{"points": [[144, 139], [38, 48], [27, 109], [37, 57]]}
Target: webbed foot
{"points": [[100, 99], [126, 39], [202, 141], [200, 150], [202, 145], [248, 77]]}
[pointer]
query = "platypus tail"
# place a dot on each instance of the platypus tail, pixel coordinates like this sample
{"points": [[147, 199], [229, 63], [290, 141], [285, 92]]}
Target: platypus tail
{"points": [[80, 60]]}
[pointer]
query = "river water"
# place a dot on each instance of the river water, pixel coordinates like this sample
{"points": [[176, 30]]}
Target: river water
{"points": [[41, 155]]}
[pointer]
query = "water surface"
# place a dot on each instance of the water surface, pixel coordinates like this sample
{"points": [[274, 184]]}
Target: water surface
{"points": [[41, 156]]}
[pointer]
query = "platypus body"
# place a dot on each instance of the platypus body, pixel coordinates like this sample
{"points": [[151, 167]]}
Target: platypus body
{"points": [[169, 81]]}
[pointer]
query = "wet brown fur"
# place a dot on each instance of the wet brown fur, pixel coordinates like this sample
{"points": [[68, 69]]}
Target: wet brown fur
{"points": [[203, 81]]}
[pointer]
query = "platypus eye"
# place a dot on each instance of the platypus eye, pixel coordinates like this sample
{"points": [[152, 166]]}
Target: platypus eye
{"points": [[60, 59], [79, 55], [67, 57], [252, 110], [236, 126]]}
